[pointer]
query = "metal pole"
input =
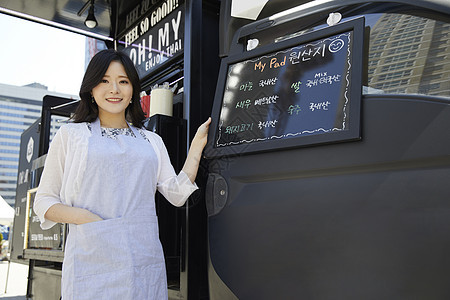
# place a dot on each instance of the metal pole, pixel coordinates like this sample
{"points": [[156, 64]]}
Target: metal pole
{"points": [[7, 274], [10, 244]]}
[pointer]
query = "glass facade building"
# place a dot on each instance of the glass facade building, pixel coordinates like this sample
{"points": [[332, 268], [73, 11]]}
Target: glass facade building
{"points": [[20, 106], [410, 54]]}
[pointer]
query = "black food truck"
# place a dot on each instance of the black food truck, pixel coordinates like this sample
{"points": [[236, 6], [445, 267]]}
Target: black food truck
{"points": [[327, 167]]}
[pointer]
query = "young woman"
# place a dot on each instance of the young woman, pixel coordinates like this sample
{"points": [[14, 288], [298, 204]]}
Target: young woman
{"points": [[100, 177]]}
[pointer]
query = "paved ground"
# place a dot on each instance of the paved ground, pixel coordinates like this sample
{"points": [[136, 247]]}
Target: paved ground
{"points": [[17, 281]]}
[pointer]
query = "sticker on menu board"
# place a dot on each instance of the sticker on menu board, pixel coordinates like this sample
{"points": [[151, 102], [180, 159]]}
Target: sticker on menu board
{"points": [[303, 90]]}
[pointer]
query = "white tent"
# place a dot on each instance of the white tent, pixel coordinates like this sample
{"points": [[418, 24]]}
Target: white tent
{"points": [[6, 213]]}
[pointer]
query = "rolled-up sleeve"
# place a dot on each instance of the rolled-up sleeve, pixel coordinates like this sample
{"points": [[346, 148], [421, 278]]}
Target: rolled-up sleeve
{"points": [[175, 188], [49, 190]]}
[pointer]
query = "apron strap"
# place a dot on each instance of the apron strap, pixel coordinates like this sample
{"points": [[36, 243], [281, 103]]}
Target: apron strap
{"points": [[96, 127]]}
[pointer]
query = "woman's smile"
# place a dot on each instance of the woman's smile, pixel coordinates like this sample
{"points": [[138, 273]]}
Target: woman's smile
{"points": [[114, 100], [113, 94]]}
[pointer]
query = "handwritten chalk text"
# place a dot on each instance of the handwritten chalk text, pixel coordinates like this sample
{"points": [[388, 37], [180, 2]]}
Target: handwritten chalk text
{"points": [[266, 82], [267, 100], [267, 124], [319, 106], [246, 86], [294, 109], [296, 86], [244, 103], [323, 78], [238, 128]]}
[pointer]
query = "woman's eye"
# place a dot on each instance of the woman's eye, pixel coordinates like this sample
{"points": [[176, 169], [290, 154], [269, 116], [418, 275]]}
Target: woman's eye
{"points": [[124, 82], [104, 81]]}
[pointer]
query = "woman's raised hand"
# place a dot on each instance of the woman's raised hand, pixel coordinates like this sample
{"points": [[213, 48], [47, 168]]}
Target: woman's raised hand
{"points": [[201, 136], [195, 151]]}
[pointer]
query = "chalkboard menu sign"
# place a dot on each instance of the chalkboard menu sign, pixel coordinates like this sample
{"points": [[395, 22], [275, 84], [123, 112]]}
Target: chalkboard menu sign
{"points": [[303, 91]]}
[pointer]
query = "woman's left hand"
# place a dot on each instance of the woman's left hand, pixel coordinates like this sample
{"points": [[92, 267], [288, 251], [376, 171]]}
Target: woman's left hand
{"points": [[195, 151], [201, 137]]}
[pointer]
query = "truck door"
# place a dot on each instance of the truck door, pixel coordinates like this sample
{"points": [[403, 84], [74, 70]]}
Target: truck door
{"points": [[303, 206]]}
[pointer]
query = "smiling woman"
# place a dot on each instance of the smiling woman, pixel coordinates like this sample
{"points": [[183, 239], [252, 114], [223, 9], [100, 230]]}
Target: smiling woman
{"points": [[100, 176], [113, 95], [110, 91]]}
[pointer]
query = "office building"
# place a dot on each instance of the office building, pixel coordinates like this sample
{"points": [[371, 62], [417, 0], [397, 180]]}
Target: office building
{"points": [[20, 106], [92, 47], [410, 54]]}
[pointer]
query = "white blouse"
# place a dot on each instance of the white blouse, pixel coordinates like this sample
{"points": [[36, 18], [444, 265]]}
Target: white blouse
{"points": [[66, 162]]}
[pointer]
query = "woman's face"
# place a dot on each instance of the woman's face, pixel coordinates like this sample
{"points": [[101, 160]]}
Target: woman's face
{"points": [[113, 94]]}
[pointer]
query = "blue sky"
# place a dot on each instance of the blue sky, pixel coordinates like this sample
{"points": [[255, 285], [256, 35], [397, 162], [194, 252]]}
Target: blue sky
{"points": [[32, 52]]}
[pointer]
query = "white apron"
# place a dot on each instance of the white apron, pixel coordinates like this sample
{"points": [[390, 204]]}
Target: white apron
{"points": [[120, 257]]}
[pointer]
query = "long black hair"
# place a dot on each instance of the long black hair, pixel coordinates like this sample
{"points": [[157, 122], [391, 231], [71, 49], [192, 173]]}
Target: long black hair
{"points": [[87, 111]]}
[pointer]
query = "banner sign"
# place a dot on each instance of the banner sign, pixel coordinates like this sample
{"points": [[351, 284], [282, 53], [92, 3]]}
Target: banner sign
{"points": [[155, 37], [29, 150]]}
